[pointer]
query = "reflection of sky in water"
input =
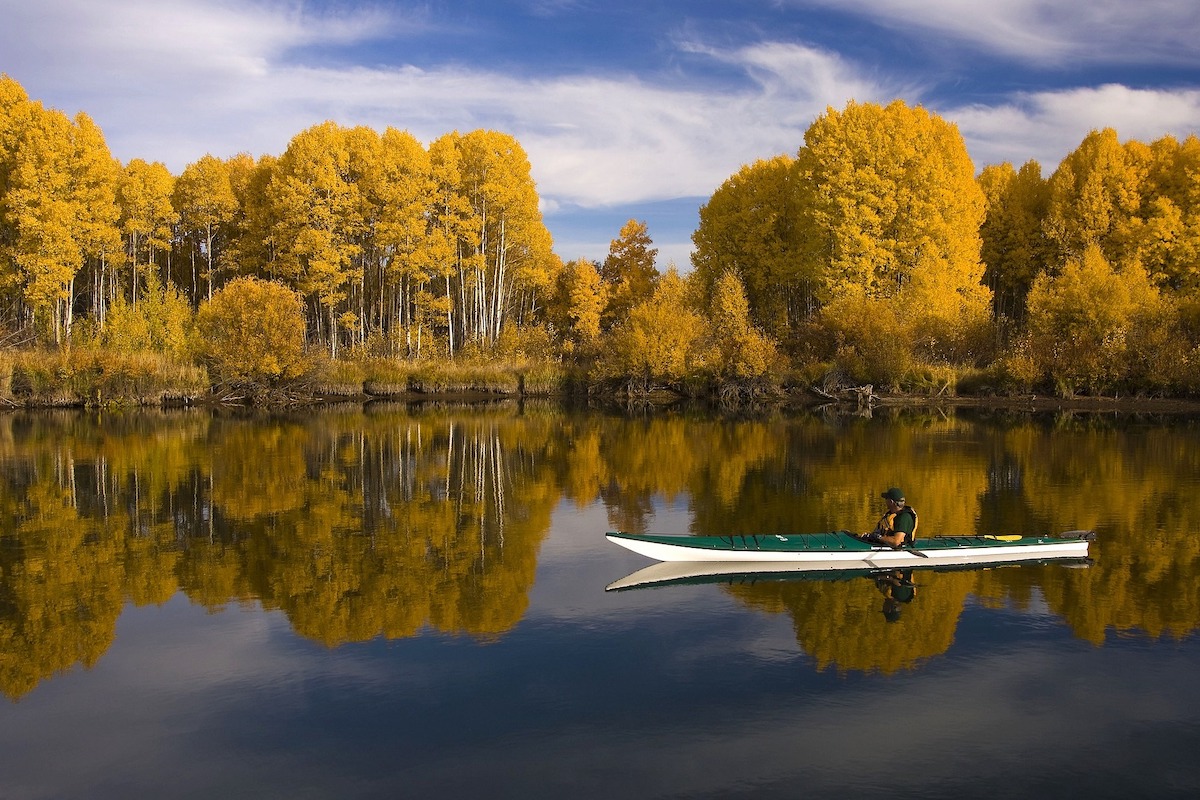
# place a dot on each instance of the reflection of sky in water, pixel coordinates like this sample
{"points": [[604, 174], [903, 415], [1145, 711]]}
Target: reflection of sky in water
{"points": [[672, 692]]}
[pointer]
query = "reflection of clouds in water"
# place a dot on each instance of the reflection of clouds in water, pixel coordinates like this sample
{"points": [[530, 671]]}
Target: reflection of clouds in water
{"points": [[136, 712], [978, 727], [576, 562]]}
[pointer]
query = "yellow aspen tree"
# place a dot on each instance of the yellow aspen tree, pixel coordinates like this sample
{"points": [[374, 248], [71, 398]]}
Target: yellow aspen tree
{"points": [[449, 221], [43, 207], [750, 226], [1093, 194], [579, 304], [365, 170], [15, 113], [57, 206], [403, 191], [1080, 320], [97, 175], [1014, 247], [628, 271], [1164, 234], [251, 247], [507, 264], [739, 352], [317, 211], [147, 215], [659, 341], [891, 208], [207, 206]]}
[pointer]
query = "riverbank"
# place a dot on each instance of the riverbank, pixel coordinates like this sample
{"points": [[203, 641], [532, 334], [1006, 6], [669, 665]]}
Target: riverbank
{"points": [[93, 379]]}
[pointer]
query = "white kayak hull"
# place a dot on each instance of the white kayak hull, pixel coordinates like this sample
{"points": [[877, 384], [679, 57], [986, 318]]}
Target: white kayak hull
{"points": [[948, 551]]}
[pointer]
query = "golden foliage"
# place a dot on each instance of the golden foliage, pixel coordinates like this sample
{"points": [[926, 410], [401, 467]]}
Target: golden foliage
{"points": [[1014, 246], [1081, 321], [628, 273], [750, 226], [891, 202], [252, 331], [737, 350], [660, 340]]}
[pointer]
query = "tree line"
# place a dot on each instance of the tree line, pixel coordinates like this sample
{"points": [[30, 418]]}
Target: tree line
{"points": [[876, 254]]}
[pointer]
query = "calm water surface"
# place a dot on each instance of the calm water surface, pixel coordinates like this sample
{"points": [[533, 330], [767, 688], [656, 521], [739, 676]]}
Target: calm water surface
{"points": [[405, 602]]}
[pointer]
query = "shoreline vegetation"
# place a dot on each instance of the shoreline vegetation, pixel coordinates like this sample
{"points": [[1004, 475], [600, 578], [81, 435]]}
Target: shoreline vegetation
{"points": [[875, 267], [32, 380]]}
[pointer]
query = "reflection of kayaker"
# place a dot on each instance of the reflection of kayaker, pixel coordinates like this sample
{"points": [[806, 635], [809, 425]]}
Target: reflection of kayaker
{"points": [[898, 589]]}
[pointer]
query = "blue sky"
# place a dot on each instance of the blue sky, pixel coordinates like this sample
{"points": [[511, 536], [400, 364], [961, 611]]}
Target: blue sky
{"points": [[627, 108]]}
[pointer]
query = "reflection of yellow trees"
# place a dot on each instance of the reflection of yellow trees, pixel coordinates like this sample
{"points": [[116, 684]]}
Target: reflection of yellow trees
{"points": [[1138, 487], [389, 521], [840, 624], [806, 476], [356, 525], [258, 468], [60, 585], [585, 470], [396, 521]]}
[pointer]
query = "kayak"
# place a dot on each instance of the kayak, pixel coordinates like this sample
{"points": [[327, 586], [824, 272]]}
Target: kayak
{"points": [[747, 573], [842, 549]]}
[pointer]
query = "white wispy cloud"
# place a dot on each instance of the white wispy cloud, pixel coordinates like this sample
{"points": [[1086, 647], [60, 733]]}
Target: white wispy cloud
{"points": [[1047, 31], [1046, 126]]}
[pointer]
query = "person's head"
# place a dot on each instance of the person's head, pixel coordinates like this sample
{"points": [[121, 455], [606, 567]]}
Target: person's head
{"points": [[891, 610], [894, 498]]}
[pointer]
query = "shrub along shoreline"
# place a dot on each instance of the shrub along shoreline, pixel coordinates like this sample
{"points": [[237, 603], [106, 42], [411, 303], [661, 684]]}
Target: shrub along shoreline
{"points": [[96, 379]]}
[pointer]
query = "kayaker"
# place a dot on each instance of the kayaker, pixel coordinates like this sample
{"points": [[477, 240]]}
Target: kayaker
{"points": [[898, 524]]}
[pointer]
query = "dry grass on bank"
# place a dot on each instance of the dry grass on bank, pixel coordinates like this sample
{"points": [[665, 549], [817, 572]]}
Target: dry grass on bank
{"points": [[94, 378]]}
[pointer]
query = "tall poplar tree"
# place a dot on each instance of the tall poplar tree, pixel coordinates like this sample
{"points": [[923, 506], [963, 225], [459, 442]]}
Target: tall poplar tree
{"points": [[317, 206], [449, 220], [147, 214], [44, 211], [751, 226], [405, 260], [1094, 194], [1015, 249], [207, 207], [15, 113], [504, 259], [579, 303], [1164, 234], [251, 248], [97, 175]]}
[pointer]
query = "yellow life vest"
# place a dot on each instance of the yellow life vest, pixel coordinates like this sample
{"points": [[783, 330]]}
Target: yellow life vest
{"points": [[887, 524]]}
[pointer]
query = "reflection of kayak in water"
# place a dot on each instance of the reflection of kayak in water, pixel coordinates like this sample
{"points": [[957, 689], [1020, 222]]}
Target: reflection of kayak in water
{"points": [[842, 550], [742, 573]]}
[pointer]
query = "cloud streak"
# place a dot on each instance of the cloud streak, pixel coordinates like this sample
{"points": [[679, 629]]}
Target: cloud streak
{"points": [[1046, 31]]}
